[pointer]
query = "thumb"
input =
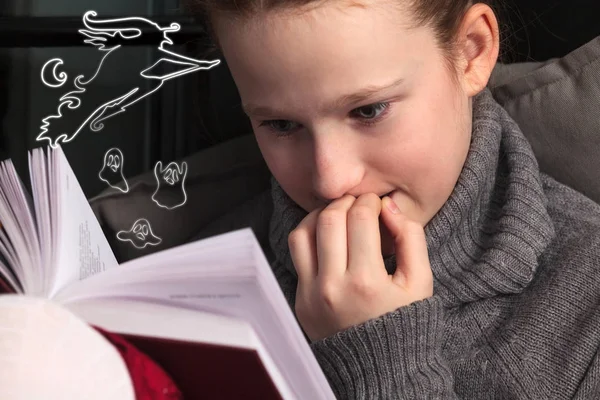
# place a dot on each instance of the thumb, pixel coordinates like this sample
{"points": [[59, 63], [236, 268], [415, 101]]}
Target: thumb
{"points": [[412, 258]]}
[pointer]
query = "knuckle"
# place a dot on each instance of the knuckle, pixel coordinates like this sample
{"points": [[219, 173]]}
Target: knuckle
{"points": [[329, 217], [362, 288], [345, 198], [414, 228], [370, 197], [360, 213], [328, 294], [413, 225], [295, 237]]}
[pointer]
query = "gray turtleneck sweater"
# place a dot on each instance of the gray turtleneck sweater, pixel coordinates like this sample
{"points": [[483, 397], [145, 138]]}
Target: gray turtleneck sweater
{"points": [[516, 307]]}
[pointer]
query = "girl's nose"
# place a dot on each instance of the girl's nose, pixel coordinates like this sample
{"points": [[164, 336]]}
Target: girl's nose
{"points": [[337, 169]]}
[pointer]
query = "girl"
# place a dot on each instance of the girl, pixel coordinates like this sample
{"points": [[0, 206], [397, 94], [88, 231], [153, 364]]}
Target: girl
{"points": [[422, 250]]}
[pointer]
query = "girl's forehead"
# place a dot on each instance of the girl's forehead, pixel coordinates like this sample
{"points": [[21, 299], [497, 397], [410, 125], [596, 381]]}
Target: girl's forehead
{"points": [[313, 61]]}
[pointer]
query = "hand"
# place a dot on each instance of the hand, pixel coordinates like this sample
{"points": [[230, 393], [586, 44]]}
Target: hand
{"points": [[342, 280]]}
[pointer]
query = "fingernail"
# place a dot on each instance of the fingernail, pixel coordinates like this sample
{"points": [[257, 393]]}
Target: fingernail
{"points": [[391, 205]]}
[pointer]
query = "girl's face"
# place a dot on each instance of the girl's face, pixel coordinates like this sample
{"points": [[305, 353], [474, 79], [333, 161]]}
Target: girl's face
{"points": [[347, 100]]}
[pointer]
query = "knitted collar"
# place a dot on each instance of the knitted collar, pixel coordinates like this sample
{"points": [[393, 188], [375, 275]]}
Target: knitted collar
{"points": [[487, 237]]}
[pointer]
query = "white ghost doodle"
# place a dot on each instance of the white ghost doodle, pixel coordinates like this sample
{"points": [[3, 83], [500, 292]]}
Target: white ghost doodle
{"points": [[140, 235], [170, 185], [112, 170]]}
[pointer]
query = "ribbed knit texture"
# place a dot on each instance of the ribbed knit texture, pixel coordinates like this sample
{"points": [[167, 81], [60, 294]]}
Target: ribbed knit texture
{"points": [[516, 306]]}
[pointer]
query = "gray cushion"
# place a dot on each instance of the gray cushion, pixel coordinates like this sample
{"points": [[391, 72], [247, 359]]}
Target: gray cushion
{"points": [[557, 106], [556, 103]]}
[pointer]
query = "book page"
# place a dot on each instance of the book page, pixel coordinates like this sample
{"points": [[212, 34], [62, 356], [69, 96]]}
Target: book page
{"points": [[19, 245], [223, 275], [10, 282], [38, 173], [83, 250]]}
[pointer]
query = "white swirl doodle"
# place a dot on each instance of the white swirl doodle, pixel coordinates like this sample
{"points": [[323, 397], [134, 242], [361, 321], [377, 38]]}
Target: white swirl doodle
{"points": [[108, 36]]}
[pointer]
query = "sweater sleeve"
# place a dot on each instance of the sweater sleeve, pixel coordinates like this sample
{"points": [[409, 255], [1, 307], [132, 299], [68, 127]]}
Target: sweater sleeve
{"points": [[589, 388], [397, 355]]}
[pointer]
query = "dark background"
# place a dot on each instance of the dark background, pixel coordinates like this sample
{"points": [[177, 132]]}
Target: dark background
{"points": [[200, 109]]}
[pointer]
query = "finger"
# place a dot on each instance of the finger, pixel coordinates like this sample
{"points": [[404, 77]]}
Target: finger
{"points": [[412, 258], [303, 250], [332, 238], [364, 241]]}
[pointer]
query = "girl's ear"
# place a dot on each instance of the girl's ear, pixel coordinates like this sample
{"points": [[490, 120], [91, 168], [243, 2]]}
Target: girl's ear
{"points": [[478, 48]]}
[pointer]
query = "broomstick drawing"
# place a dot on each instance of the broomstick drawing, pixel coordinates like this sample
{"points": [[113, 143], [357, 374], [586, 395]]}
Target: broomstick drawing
{"points": [[104, 100]]}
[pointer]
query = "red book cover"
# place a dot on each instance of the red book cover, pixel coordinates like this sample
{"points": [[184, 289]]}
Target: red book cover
{"points": [[206, 371]]}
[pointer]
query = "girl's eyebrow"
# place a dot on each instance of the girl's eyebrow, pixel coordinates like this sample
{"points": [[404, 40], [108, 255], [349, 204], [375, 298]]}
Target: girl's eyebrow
{"points": [[363, 94], [344, 100]]}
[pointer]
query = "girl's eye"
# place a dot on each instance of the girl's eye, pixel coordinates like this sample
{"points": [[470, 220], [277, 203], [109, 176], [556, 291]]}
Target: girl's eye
{"points": [[369, 115], [371, 111], [281, 127]]}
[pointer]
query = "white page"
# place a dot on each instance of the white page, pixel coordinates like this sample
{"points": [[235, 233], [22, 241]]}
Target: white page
{"points": [[55, 210], [177, 323], [22, 203], [11, 257], [19, 236], [276, 301], [83, 250], [217, 275], [38, 173]]}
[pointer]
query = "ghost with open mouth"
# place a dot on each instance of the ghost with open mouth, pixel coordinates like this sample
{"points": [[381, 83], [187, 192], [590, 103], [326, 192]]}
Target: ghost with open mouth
{"points": [[112, 170], [140, 235], [170, 181]]}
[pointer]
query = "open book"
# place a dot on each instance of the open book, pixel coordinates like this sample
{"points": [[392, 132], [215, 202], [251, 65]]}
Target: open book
{"points": [[209, 312]]}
